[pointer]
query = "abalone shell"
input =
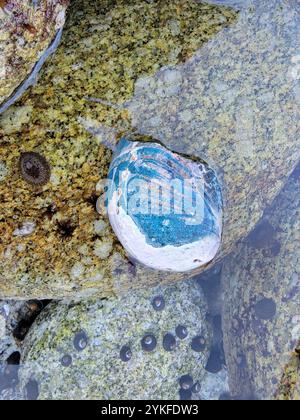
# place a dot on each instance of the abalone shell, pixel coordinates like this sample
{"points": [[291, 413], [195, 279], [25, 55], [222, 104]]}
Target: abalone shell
{"points": [[165, 209]]}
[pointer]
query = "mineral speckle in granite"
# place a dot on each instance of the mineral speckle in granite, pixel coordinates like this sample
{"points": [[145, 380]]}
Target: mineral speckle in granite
{"points": [[119, 359], [261, 285], [204, 80], [213, 386], [26, 30]]}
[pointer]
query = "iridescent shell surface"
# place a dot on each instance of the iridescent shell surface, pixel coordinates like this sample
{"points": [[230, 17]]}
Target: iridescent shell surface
{"points": [[165, 209]]}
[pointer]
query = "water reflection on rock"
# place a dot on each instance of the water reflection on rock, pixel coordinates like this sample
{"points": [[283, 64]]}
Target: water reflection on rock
{"points": [[261, 315]]}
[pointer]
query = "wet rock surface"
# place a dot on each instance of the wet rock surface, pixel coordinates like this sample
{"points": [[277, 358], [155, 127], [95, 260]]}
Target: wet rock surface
{"points": [[16, 319], [27, 28], [118, 348], [261, 301], [8, 321], [214, 387]]}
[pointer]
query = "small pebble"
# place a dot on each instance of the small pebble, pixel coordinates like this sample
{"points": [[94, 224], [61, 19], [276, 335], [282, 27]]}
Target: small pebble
{"points": [[158, 303], [66, 360]]}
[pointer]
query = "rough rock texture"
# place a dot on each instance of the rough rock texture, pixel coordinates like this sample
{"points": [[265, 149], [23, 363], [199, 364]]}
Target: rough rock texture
{"points": [[238, 4], [26, 30], [15, 321], [214, 386], [262, 299], [289, 389], [8, 322], [230, 96], [98, 372]]}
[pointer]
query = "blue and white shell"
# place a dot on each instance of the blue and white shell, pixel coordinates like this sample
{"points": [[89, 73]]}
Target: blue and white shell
{"points": [[165, 209]]}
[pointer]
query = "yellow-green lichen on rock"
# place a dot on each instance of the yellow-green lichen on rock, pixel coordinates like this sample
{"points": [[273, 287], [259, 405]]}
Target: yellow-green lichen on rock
{"points": [[202, 79], [52, 360], [289, 389], [27, 29]]}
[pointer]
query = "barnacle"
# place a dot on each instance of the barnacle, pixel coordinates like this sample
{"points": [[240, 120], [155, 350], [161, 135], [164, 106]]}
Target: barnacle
{"points": [[34, 168]]}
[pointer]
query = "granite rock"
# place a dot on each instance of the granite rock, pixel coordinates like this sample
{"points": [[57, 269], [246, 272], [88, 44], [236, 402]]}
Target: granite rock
{"points": [[261, 315], [54, 243], [204, 80], [27, 28], [289, 388], [214, 386], [16, 318], [113, 360]]}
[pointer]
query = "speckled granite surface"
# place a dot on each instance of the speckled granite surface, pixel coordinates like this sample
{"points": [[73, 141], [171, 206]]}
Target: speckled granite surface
{"points": [[16, 317], [26, 30], [98, 372], [289, 389], [261, 300], [228, 96], [8, 321]]}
